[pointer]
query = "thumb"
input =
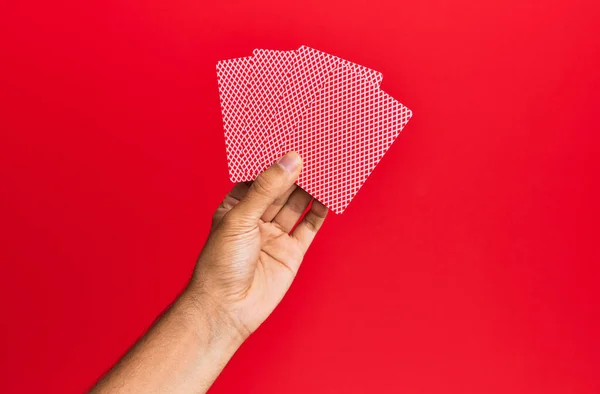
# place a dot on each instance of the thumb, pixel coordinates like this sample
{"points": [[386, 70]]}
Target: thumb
{"points": [[267, 187]]}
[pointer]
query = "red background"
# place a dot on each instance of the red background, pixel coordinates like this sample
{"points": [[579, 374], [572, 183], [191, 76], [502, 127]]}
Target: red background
{"points": [[467, 264]]}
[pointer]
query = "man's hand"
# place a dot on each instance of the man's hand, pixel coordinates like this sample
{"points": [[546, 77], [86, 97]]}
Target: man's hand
{"points": [[251, 256], [245, 268]]}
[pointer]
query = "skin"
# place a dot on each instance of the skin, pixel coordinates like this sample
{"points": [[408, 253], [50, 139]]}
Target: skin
{"points": [[247, 265]]}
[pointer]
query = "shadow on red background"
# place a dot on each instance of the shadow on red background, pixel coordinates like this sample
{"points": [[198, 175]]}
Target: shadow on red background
{"points": [[467, 263]]}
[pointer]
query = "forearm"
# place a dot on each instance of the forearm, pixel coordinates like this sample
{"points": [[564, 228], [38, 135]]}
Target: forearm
{"points": [[260, 234], [183, 352]]}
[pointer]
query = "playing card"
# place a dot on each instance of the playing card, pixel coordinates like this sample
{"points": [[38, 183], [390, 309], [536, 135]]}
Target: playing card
{"points": [[343, 135], [329, 110], [306, 78], [268, 79], [233, 76]]}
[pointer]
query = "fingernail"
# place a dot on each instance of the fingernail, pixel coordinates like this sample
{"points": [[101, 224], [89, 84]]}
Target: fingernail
{"points": [[290, 161]]}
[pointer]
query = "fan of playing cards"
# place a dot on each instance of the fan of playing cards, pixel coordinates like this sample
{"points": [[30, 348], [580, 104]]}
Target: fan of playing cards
{"points": [[327, 109]]}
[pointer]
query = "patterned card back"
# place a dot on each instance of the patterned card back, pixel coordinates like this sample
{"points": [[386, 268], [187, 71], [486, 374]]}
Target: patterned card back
{"points": [[233, 77], [343, 135]]}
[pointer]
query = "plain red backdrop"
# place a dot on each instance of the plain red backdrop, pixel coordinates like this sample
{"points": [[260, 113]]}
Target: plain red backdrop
{"points": [[467, 264]]}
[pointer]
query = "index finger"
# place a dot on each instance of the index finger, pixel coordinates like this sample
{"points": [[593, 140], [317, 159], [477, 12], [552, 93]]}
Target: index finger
{"points": [[307, 229]]}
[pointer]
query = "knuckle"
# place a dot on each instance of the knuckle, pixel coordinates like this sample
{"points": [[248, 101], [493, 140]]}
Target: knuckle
{"points": [[263, 185], [280, 201], [296, 206], [312, 222], [229, 202], [319, 210]]}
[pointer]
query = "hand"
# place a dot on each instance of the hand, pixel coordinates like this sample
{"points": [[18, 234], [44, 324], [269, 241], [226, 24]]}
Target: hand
{"points": [[249, 261], [251, 256]]}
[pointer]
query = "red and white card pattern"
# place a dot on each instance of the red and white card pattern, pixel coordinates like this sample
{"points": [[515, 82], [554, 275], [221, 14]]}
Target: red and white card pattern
{"points": [[329, 110]]}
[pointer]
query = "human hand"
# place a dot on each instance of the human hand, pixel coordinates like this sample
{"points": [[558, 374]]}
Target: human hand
{"points": [[249, 261], [250, 258]]}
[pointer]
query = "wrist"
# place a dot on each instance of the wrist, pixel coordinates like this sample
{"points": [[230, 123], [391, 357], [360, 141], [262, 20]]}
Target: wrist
{"points": [[214, 325]]}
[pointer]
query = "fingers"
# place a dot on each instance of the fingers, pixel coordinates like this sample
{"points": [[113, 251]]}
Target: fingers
{"points": [[235, 195], [267, 187], [310, 224], [279, 202], [293, 209], [230, 201]]}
